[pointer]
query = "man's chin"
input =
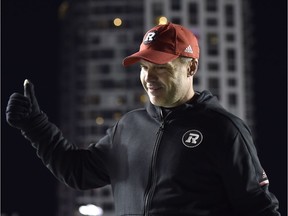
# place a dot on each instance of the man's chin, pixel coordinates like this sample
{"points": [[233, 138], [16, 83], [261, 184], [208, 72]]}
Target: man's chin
{"points": [[156, 102]]}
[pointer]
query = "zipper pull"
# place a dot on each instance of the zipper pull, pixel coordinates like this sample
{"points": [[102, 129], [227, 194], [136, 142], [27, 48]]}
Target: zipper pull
{"points": [[161, 114], [161, 128]]}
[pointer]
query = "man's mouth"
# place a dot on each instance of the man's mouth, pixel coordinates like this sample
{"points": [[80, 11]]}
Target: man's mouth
{"points": [[154, 88]]}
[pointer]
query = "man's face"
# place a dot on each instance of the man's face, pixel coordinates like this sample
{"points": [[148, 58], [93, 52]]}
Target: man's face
{"points": [[167, 85]]}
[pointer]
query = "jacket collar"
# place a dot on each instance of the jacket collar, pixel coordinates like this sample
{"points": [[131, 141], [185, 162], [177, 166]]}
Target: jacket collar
{"points": [[199, 98]]}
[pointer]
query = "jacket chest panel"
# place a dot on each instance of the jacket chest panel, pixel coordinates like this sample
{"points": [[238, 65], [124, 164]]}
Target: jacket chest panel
{"points": [[184, 153], [132, 153]]}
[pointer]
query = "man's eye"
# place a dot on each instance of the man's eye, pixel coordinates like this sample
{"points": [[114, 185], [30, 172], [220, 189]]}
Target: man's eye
{"points": [[162, 69]]}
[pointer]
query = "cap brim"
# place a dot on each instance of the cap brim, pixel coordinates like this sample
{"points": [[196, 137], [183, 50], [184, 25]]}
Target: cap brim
{"points": [[153, 56]]}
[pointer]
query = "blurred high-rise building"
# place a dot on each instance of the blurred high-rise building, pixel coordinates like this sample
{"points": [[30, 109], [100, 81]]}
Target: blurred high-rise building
{"points": [[96, 89]]}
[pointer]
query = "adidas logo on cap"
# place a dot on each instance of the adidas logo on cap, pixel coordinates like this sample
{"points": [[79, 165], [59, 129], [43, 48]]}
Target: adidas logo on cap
{"points": [[188, 49]]}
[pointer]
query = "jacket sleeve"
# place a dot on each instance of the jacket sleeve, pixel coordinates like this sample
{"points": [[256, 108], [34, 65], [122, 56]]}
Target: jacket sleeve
{"points": [[77, 168], [244, 178]]}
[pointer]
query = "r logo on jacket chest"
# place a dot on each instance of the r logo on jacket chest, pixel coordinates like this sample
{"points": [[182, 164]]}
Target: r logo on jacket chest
{"points": [[192, 138]]}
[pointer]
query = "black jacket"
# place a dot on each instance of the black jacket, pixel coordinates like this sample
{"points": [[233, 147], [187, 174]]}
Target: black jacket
{"points": [[193, 160]]}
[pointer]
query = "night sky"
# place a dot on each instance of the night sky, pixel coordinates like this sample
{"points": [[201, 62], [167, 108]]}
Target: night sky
{"points": [[30, 49]]}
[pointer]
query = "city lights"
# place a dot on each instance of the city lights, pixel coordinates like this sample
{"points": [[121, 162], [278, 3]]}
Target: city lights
{"points": [[162, 20], [63, 9], [143, 98], [91, 210], [99, 120], [117, 22]]}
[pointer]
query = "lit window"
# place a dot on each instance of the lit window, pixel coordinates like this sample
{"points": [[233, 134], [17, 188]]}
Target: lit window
{"points": [[212, 44], [140, 98], [117, 115], [121, 100]]}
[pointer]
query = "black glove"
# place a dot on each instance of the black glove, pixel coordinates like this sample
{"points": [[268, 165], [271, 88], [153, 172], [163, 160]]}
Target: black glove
{"points": [[23, 109]]}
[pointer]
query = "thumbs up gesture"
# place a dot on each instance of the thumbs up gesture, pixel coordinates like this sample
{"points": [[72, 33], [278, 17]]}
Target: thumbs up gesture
{"points": [[22, 108]]}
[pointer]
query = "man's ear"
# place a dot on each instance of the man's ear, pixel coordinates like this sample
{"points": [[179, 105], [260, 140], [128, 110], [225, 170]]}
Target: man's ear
{"points": [[192, 67]]}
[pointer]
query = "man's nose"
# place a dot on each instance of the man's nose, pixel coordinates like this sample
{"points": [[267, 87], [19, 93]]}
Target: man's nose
{"points": [[151, 75]]}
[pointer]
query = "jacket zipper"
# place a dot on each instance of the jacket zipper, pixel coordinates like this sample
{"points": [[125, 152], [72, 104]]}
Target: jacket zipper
{"points": [[152, 172]]}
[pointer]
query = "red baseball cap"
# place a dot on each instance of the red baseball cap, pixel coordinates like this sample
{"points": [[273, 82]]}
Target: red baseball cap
{"points": [[164, 43]]}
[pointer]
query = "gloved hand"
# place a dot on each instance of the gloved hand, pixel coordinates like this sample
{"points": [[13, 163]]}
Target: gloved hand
{"points": [[21, 109]]}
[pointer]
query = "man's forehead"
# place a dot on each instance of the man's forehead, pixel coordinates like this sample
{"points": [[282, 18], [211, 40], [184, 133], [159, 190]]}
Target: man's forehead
{"points": [[170, 63]]}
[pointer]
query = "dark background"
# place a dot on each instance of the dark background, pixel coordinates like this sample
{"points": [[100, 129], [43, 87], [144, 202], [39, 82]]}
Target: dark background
{"points": [[30, 49]]}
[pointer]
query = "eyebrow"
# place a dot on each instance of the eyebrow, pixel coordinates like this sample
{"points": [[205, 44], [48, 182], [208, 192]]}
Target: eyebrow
{"points": [[168, 64]]}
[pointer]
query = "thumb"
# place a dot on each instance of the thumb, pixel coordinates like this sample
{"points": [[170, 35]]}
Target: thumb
{"points": [[28, 90], [29, 93]]}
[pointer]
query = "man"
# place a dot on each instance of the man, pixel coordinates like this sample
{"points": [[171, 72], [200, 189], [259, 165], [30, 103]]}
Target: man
{"points": [[182, 155]]}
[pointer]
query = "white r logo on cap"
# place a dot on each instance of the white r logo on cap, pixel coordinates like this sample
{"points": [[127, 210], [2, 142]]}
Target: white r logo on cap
{"points": [[149, 37]]}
